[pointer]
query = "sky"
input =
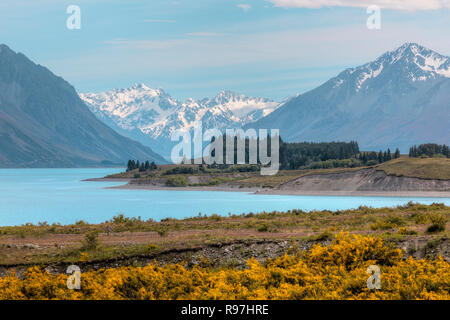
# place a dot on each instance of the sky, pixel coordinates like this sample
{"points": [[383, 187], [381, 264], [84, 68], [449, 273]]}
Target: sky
{"points": [[197, 48]]}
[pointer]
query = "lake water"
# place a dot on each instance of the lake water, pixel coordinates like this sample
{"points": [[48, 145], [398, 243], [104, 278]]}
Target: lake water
{"points": [[60, 195]]}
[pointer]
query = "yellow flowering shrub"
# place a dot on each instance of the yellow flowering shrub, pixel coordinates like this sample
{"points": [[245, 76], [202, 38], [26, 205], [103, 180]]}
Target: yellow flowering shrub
{"points": [[336, 271]]}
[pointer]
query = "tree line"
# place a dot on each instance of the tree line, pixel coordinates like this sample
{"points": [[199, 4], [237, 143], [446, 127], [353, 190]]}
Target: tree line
{"points": [[301, 154], [318, 155], [144, 166], [430, 150]]}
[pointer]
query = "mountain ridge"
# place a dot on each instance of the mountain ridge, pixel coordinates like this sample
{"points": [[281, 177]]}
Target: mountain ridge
{"points": [[151, 115]]}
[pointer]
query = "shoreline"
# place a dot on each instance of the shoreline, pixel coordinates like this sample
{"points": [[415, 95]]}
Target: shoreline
{"points": [[268, 191]]}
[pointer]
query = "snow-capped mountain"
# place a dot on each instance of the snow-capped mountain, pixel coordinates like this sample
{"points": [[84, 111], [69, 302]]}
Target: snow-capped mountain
{"points": [[400, 99], [417, 63], [151, 115]]}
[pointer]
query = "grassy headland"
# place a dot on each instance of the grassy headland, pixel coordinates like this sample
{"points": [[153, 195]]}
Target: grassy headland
{"points": [[236, 177]]}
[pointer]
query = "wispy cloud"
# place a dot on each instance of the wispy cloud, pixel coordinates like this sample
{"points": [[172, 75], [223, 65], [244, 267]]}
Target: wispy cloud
{"points": [[244, 6], [405, 5], [207, 34], [146, 44], [160, 20]]}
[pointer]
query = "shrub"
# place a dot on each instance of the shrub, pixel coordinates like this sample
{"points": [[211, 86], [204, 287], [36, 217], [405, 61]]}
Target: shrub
{"points": [[405, 231], [389, 222], [263, 227], [91, 240], [326, 235], [334, 271], [162, 232], [438, 224], [177, 181]]}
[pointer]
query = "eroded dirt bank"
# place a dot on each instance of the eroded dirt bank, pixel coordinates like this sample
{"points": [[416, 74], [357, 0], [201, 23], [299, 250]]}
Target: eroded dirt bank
{"points": [[364, 180]]}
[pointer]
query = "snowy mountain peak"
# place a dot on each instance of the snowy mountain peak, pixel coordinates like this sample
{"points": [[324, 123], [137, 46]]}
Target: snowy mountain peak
{"points": [[425, 59], [155, 114], [411, 62]]}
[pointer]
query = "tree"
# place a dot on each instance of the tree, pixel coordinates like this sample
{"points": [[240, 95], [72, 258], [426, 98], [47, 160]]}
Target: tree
{"points": [[389, 156], [397, 154], [147, 165], [429, 149], [153, 166], [380, 156]]}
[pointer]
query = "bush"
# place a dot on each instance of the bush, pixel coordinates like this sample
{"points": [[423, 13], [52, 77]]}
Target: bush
{"points": [[91, 241], [438, 224], [176, 181], [435, 228], [324, 236], [162, 232], [181, 170], [334, 271], [263, 228], [387, 223], [404, 231]]}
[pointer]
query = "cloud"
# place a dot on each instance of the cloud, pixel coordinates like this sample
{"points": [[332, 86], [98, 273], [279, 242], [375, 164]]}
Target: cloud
{"points": [[160, 20], [244, 6], [146, 44], [207, 34], [405, 5]]}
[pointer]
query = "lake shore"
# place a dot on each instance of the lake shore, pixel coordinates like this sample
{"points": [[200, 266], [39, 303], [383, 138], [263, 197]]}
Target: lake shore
{"points": [[273, 191]]}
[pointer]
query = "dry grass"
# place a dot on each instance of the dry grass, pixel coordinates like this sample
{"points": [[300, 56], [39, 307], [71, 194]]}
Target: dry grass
{"points": [[426, 168], [131, 236]]}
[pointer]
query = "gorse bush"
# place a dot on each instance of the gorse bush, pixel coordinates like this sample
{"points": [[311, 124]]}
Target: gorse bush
{"points": [[335, 271]]}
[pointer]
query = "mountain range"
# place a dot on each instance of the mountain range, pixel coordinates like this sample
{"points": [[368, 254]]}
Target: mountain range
{"points": [[400, 99], [44, 123], [151, 115]]}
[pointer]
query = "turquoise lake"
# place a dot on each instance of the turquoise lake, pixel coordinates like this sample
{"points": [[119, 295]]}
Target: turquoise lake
{"points": [[60, 195]]}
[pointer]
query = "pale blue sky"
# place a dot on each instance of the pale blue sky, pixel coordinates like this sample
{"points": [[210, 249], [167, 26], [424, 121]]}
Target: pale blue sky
{"points": [[196, 48]]}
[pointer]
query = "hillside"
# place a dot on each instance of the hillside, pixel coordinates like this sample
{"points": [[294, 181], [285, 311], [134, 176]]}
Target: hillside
{"points": [[400, 99], [424, 168], [43, 122]]}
